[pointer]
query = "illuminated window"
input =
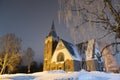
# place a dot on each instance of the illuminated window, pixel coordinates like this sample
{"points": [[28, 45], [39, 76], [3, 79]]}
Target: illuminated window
{"points": [[60, 57], [68, 66], [48, 44]]}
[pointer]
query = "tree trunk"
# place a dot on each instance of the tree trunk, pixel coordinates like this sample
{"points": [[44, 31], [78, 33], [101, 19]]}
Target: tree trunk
{"points": [[3, 68], [29, 68], [4, 64]]}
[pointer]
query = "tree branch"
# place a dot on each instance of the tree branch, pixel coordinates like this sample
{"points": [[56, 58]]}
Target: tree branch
{"points": [[114, 43], [113, 11], [104, 35]]}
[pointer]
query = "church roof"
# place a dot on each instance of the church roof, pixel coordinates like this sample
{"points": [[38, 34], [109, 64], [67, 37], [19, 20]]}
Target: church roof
{"points": [[72, 49], [52, 31]]}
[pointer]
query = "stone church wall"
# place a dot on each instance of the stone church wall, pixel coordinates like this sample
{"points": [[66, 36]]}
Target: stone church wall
{"points": [[77, 65], [69, 65], [53, 66], [90, 64], [60, 66]]}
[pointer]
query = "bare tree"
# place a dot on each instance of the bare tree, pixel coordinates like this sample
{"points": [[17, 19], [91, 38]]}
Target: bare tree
{"points": [[10, 47], [29, 57], [87, 19]]}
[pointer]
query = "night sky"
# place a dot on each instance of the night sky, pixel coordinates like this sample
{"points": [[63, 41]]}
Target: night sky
{"points": [[31, 21]]}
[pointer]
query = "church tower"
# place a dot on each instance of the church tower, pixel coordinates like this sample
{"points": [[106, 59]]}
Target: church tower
{"points": [[49, 48]]}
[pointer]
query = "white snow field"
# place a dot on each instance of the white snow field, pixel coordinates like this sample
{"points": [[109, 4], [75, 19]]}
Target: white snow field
{"points": [[62, 75]]}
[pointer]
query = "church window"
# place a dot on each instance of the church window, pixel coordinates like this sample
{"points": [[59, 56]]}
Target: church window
{"points": [[60, 68], [68, 66], [45, 62], [53, 68], [60, 57], [48, 44]]}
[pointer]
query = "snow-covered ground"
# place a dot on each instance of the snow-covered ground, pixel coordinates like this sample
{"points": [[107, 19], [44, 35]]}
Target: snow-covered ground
{"points": [[61, 75]]}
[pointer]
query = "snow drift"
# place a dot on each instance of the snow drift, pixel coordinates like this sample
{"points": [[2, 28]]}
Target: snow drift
{"points": [[62, 75]]}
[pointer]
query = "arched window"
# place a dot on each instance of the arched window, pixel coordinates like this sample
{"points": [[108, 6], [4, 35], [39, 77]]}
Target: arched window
{"points": [[48, 43], [60, 57]]}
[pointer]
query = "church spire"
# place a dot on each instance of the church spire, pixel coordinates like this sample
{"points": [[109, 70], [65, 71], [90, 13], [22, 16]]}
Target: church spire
{"points": [[52, 31], [52, 27]]}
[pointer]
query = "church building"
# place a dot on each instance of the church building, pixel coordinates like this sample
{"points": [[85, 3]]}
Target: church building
{"points": [[62, 55]]}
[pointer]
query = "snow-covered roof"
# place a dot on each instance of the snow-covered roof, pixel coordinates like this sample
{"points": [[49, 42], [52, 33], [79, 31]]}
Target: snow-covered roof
{"points": [[72, 49]]}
